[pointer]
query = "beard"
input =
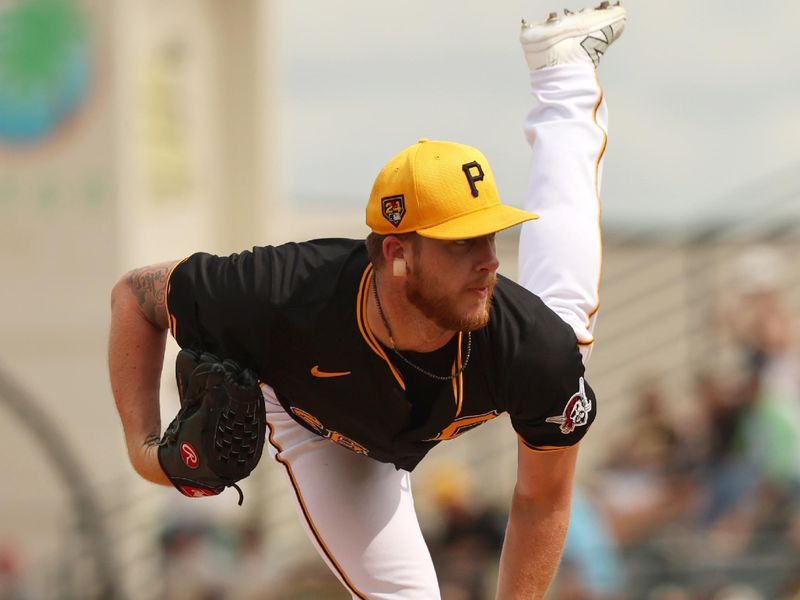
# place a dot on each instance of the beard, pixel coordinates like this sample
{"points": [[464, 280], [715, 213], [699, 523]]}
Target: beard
{"points": [[425, 293]]}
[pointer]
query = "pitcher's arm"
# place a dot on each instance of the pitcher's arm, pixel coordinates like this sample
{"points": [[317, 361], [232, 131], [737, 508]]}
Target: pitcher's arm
{"points": [[137, 339]]}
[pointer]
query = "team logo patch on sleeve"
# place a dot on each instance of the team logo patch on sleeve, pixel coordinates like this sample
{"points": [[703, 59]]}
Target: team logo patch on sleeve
{"points": [[394, 209], [576, 412]]}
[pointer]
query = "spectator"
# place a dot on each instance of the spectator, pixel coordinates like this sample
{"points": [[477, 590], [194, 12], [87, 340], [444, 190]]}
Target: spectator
{"points": [[591, 568], [646, 484], [470, 538], [11, 574]]}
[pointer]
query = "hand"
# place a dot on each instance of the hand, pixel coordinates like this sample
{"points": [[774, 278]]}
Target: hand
{"points": [[144, 458], [217, 437]]}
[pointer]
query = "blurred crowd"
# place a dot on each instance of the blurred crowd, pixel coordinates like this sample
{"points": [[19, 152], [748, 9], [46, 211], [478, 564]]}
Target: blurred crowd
{"points": [[700, 497]]}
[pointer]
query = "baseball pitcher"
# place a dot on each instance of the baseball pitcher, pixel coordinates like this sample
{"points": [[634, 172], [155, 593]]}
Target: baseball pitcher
{"points": [[354, 358]]}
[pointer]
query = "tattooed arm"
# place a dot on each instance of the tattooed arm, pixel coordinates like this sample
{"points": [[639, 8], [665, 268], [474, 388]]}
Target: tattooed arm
{"points": [[135, 359]]}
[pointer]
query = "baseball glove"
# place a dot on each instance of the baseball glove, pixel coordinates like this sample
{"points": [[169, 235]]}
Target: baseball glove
{"points": [[218, 435]]}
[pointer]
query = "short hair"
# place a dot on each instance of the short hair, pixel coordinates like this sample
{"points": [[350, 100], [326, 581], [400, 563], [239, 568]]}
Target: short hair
{"points": [[374, 243]]}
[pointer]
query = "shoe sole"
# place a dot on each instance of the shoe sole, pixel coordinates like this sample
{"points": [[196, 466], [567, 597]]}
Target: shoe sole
{"points": [[578, 24]]}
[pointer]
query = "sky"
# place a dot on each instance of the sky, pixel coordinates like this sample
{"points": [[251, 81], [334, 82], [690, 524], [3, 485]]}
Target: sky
{"points": [[704, 100]]}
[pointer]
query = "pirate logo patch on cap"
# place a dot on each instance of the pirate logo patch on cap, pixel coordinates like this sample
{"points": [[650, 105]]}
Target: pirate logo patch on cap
{"points": [[394, 209], [576, 412]]}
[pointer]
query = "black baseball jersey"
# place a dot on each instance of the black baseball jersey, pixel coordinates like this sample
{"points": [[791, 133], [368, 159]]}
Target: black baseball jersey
{"points": [[296, 314]]}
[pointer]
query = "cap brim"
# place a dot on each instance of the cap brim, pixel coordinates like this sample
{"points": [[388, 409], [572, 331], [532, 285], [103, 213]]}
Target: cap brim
{"points": [[481, 222]]}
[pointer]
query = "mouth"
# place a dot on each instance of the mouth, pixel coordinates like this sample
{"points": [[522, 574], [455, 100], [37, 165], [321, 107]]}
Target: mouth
{"points": [[482, 286], [481, 292]]}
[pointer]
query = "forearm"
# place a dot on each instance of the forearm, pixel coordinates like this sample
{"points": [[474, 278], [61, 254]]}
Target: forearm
{"points": [[135, 360], [532, 549]]}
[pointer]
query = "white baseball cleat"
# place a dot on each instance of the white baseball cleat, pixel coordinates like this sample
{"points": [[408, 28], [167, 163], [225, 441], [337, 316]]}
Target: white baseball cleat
{"points": [[576, 37]]}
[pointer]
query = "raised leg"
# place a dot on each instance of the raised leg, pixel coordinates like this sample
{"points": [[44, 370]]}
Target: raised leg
{"points": [[560, 254]]}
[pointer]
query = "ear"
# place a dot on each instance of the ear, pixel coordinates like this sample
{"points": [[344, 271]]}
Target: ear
{"points": [[399, 251], [393, 248]]}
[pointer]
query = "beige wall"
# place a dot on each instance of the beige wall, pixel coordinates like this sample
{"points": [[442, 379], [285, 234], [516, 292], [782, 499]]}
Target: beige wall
{"points": [[57, 260], [161, 160]]}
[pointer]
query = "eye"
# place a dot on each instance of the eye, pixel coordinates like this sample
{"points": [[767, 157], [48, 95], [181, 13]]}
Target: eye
{"points": [[472, 241]]}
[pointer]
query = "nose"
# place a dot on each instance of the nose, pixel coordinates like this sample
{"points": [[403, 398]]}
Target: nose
{"points": [[487, 253]]}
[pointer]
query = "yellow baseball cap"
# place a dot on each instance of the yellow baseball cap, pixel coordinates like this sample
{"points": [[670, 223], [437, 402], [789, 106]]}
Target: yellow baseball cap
{"points": [[441, 190]]}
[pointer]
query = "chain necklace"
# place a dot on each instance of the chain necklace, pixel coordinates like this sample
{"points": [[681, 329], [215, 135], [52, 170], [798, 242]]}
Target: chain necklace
{"points": [[406, 360]]}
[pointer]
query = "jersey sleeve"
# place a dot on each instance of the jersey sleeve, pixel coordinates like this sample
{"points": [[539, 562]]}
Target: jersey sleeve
{"points": [[222, 304], [247, 306], [551, 405]]}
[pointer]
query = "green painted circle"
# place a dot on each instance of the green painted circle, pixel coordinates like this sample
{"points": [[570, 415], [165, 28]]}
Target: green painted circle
{"points": [[44, 67]]}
